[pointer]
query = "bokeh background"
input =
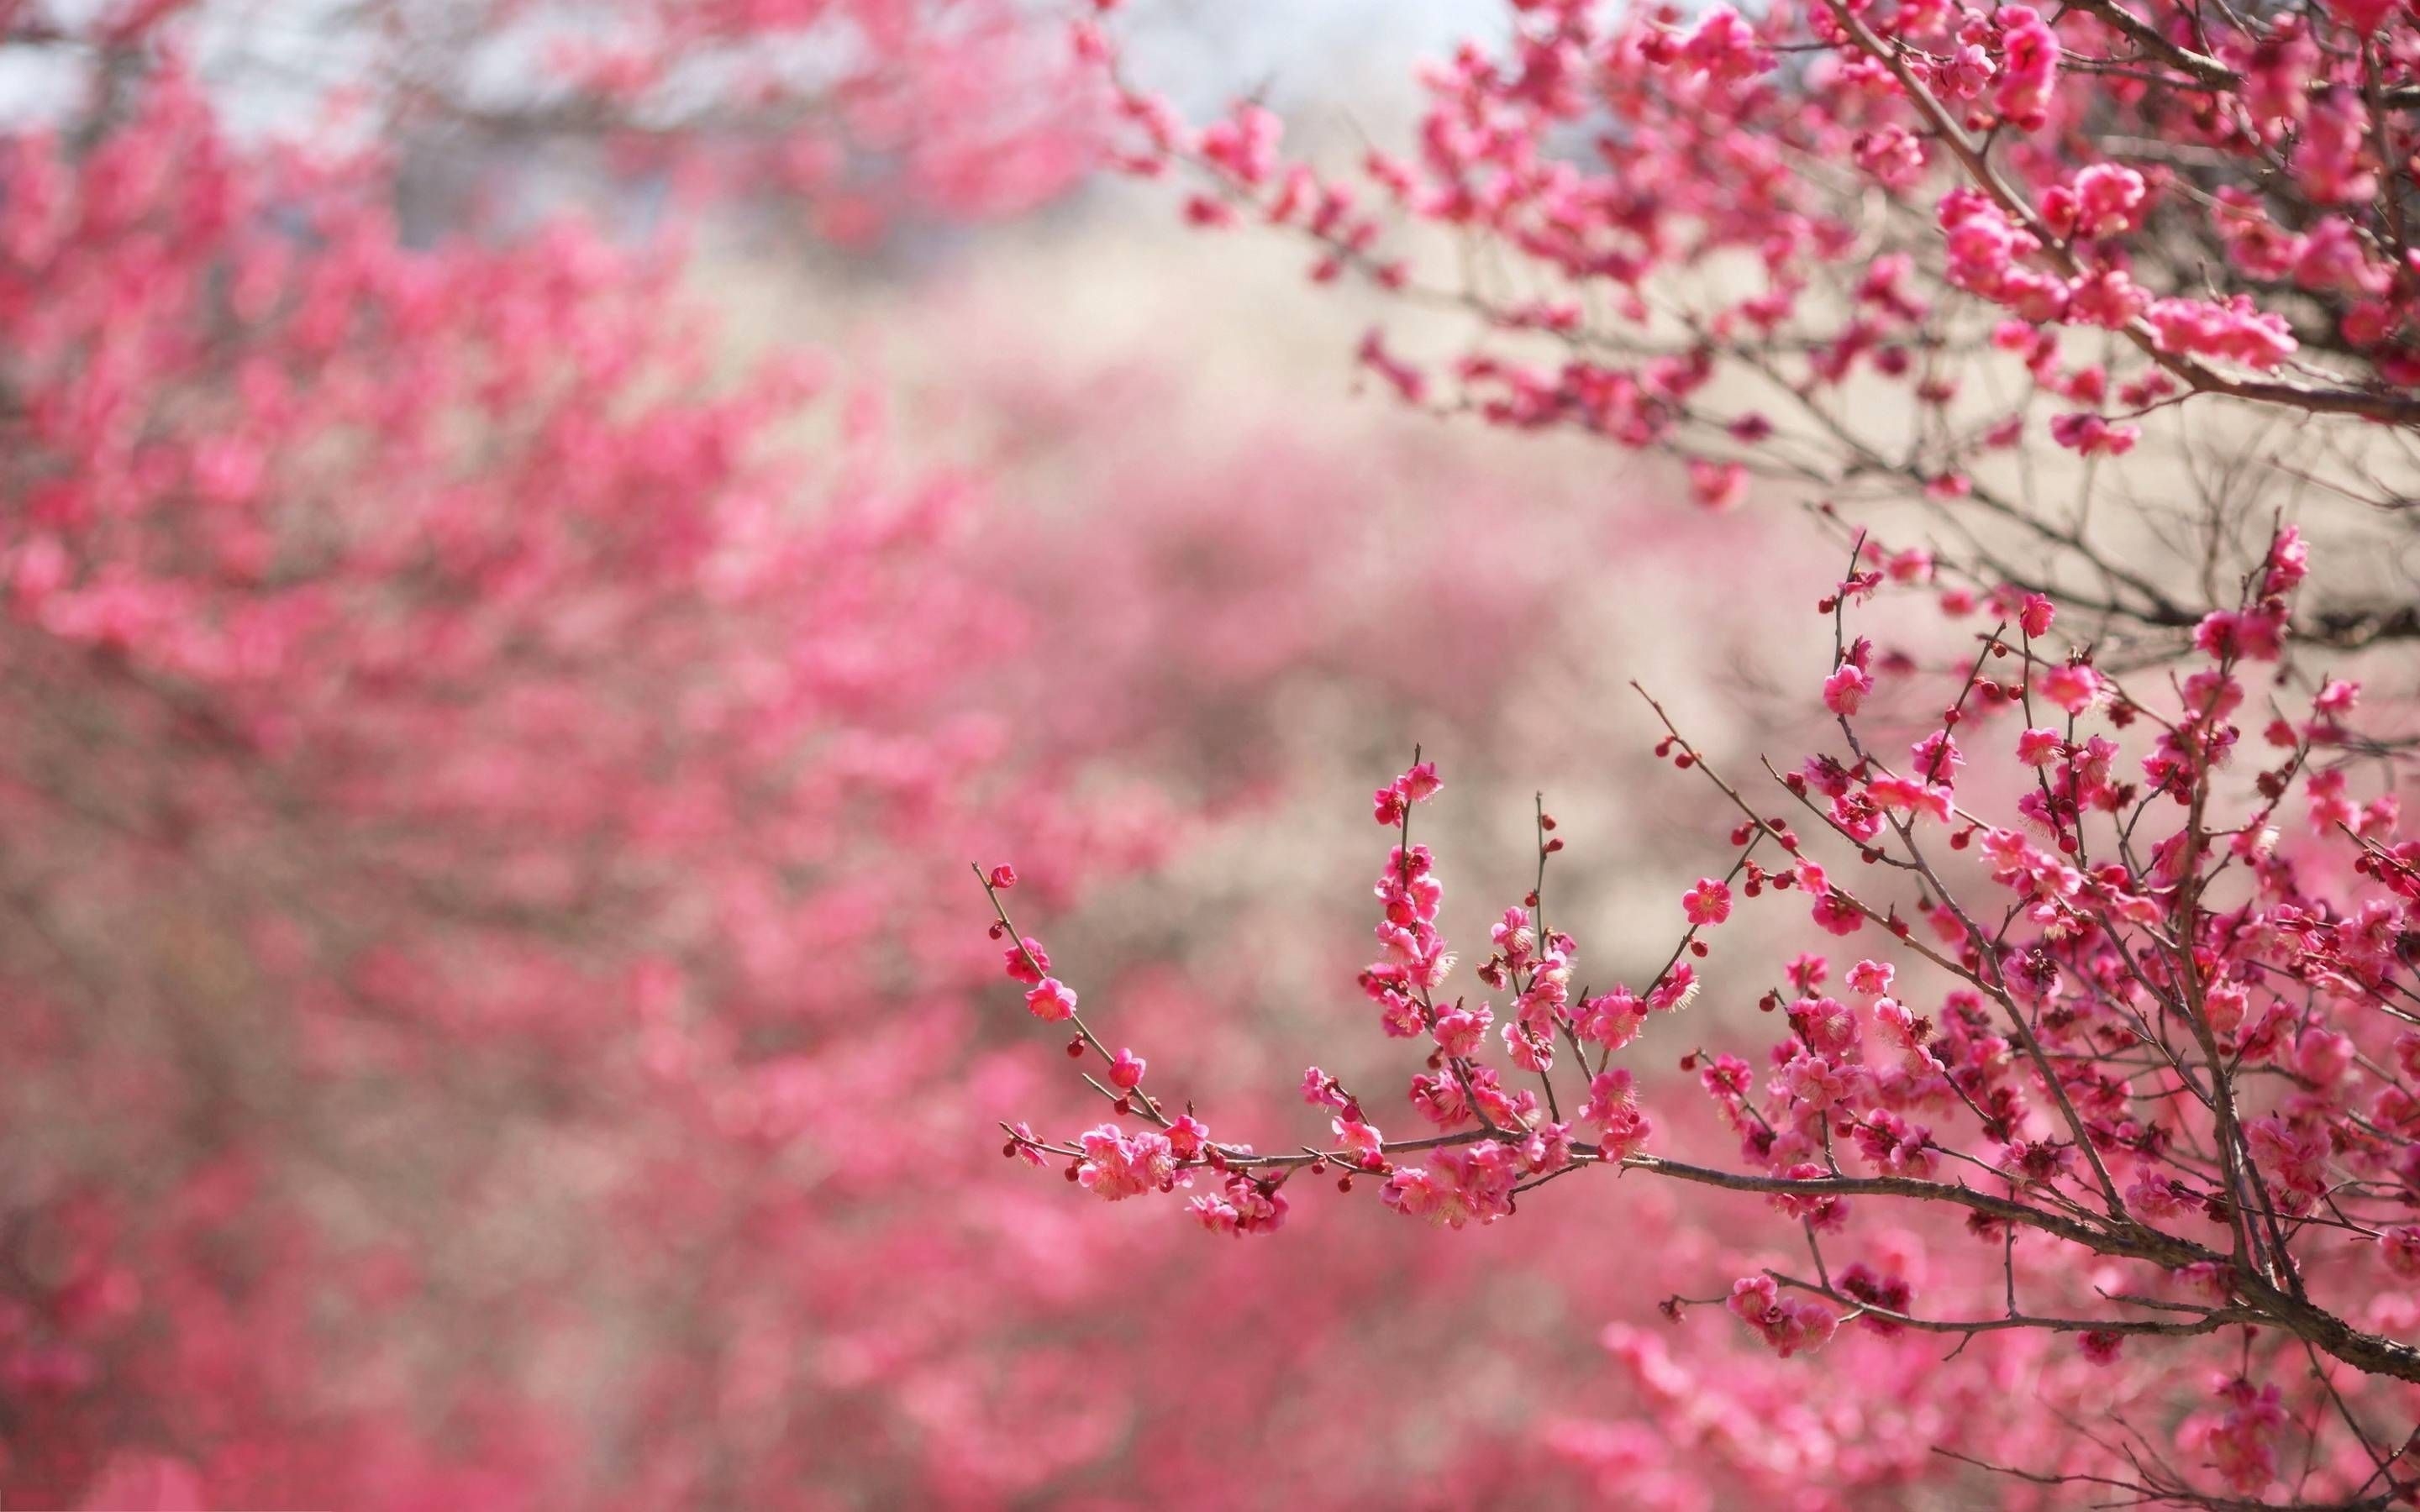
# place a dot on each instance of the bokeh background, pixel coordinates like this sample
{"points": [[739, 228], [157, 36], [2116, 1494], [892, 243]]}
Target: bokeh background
{"points": [[490, 745]]}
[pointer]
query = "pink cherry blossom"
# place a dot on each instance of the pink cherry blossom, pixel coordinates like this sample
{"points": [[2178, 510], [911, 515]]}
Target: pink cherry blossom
{"points": [[1708, 902]]}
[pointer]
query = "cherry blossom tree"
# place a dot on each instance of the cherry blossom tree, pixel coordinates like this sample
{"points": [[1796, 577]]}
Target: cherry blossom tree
{"points": [[2159, 1050], [2101, 1119], [439, 720], [492, 1015], [1936, 267]]}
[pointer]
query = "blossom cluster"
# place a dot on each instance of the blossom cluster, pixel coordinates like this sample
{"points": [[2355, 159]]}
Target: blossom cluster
{"points": [[1884, 253], [2127, 1023]]}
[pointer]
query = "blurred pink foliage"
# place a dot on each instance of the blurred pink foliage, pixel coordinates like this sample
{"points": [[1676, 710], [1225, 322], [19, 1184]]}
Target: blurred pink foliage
{"points": [[430, 699], [484, 795]]}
